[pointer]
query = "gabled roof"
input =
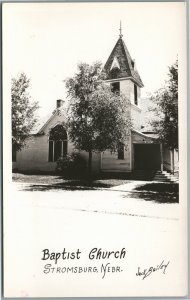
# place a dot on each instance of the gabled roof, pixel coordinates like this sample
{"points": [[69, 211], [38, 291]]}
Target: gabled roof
{"points": [[127, 65], [43, 123], [40, 124]]}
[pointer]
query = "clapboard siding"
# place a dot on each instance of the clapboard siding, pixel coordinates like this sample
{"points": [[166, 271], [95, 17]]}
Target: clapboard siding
{"points": [[110, 161]]}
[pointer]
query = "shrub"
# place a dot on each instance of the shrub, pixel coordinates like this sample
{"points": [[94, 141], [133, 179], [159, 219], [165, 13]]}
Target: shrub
{"points": [[72, 165]]}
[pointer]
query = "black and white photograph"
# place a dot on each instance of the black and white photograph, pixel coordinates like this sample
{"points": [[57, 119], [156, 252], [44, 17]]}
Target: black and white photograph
{"points": [[94, 149]]}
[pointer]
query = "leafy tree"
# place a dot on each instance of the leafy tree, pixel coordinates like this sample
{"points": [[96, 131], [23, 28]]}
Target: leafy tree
{"points": [[23, 111], [166, 110], [98, 119]]}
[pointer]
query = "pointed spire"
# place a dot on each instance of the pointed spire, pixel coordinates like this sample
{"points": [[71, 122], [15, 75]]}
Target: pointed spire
{"points": [[120, 58], [120, 30]]}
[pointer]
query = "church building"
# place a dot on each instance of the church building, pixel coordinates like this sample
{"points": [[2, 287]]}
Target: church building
{"points": [[141, 150]]}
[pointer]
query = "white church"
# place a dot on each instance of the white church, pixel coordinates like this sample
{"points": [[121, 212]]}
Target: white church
{"points": [[142, 150]]}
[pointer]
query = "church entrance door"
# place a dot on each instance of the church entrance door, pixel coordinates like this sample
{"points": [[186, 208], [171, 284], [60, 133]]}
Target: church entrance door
{"points": [[147, 157]]}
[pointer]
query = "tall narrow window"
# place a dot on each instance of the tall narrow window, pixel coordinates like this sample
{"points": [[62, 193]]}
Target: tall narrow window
{"points": [[13, 153], [115, 87], [51, 150], [64, 148], [135, 95], [121, 151], [57, 149], [57, 143]]}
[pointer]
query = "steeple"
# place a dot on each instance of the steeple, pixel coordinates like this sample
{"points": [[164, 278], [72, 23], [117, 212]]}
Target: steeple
{"points": [[120, 64]]}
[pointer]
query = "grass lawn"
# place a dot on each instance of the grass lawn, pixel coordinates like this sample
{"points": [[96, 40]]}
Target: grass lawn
{"points": [[58, 182], [160, 192]]}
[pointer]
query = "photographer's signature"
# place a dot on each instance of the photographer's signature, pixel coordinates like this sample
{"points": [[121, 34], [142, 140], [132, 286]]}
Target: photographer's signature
{"points": [[147, 272]]}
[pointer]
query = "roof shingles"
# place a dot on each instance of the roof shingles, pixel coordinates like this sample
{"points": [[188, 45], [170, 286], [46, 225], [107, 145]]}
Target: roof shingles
{"points": [[126, 63]]}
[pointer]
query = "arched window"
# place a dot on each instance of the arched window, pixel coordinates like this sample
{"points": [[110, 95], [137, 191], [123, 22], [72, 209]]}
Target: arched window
{"points": [[57, 143]]}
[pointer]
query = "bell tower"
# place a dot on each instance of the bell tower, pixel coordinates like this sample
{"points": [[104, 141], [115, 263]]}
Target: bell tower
{"points": [[122, 74]]}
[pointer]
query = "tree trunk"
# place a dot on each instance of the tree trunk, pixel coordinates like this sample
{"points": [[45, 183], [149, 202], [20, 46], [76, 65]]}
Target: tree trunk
{"points": [[90, 167]]}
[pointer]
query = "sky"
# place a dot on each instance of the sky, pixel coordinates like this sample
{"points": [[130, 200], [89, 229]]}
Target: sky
{"points": [[46, 41]]}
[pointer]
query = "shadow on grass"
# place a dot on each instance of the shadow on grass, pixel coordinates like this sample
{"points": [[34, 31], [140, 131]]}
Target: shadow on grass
{"points": [[156, 192], [71, 185], [41, 182]]}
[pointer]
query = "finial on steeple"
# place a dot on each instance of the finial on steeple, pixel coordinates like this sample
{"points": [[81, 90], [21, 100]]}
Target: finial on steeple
{"points": [[120, 30]]}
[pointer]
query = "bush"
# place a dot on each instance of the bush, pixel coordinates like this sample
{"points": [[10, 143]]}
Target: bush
{"points": [[72, 165]]}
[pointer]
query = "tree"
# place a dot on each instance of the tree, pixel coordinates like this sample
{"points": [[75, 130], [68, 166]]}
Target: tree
{"points": [[98, 119], [166, 109], [23, 111]]}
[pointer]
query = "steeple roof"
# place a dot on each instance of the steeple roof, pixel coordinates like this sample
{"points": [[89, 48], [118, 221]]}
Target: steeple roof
{"points": [[125, 65]]}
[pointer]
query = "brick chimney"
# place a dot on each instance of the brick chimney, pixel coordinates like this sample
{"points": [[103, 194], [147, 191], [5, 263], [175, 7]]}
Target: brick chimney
{"points": [[59, 103]]}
